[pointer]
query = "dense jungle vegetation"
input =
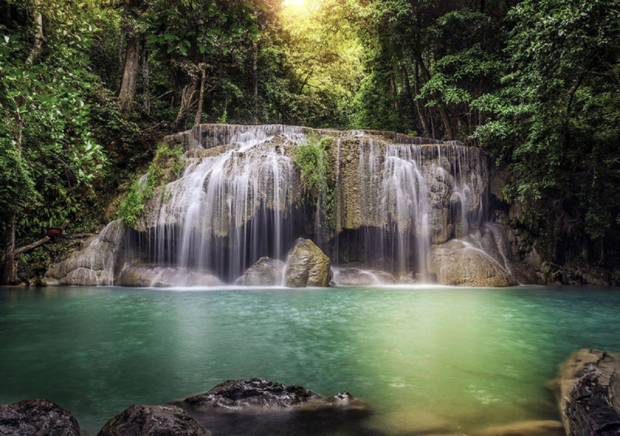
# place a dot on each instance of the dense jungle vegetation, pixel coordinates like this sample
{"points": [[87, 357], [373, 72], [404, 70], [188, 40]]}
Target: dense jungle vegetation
{"points": [[88, 87]]}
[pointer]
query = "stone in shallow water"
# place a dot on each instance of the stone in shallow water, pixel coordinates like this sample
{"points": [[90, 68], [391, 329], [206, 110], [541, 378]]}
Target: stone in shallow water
{"points": [[163, 277], [142, 420], [307, 265], [265, 272], [37, 417], [261, 394], [361, 277]]}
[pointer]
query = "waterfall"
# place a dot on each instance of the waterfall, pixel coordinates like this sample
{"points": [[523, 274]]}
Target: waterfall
{"points": [[237, 200], [229, 209], [240, 197]]}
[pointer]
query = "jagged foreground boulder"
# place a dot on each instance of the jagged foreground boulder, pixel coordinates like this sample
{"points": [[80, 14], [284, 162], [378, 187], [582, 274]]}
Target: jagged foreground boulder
{"points": [[37, 417], [307, 265], [588, 393], [142, 420], [265, 272], [261, 394]]}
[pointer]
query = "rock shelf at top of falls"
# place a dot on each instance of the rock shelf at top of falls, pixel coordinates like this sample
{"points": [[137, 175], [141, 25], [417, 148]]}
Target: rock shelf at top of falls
{"points": [[392, 204]]}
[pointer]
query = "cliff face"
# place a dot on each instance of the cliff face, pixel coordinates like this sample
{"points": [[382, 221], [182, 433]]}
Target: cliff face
{"points": [[419, 209]]}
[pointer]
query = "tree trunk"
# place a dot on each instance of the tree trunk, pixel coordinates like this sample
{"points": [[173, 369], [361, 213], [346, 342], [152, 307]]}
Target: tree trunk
{"points": [[145, 79], [130, 76], [442, 111], [37, 48], [407, 91], [418, 104], [9, 275], [175, 87], [188, 101], [198, 119], [394, 91], [482, 6], [255, 81], [121, 64]]}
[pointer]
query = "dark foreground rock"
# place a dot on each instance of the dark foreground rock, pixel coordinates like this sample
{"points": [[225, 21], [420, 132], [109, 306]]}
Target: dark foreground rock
{"points": [[141, 420], [265, 272], [307, 265], [588, 392], [258, 393], [258, 407], [37, 417]]}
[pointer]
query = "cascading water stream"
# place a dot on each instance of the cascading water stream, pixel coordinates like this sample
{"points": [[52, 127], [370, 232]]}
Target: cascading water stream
{"points": [[237, 201]]}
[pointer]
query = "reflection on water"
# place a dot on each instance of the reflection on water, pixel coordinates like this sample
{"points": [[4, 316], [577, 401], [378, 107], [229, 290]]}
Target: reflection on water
{"points": [[425, 359]]}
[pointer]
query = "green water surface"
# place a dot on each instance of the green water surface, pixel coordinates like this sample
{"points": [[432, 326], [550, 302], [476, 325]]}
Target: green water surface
{"points": [[425, 359]]}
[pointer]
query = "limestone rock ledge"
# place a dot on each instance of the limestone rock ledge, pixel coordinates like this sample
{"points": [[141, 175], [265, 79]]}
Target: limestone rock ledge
{"points": [[96, 264]]}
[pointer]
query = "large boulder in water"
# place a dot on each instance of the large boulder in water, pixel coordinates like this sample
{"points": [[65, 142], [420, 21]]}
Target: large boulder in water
{"points": [[164, 277], [307, 265], [588, 393], [265, 272], [457, 263], [141, 420], [261, 394], [37, 417]]}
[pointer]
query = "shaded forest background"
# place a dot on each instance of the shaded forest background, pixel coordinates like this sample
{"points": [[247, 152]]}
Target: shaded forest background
{"points": [[87, 88]]}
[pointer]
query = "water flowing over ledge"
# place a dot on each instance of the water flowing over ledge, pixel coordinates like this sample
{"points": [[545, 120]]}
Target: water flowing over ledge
{"points": [[411, 209]]}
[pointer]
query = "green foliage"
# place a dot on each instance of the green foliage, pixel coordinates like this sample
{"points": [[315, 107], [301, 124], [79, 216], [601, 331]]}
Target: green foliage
{"points": [[164, 169], [317, 176], [556, 118]]}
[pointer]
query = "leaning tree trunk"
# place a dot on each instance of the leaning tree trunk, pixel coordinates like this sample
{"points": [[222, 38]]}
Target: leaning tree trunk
{"points": [[145, 79], [188, 102], [255, 81], [37, 48], [121, 64], [130, 76]]}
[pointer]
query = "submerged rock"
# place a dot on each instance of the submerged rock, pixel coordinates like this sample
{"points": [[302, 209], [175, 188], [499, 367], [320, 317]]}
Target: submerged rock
{"points": [[37, 417], [588, 393], [142, 420], [457, 263], [307, 265], [360, 277], [261, 394], [265, 272], [163, 277], [526, 428]]}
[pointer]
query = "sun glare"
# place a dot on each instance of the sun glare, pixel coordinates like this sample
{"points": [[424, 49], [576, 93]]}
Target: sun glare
{"points": [[293, 3]]}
